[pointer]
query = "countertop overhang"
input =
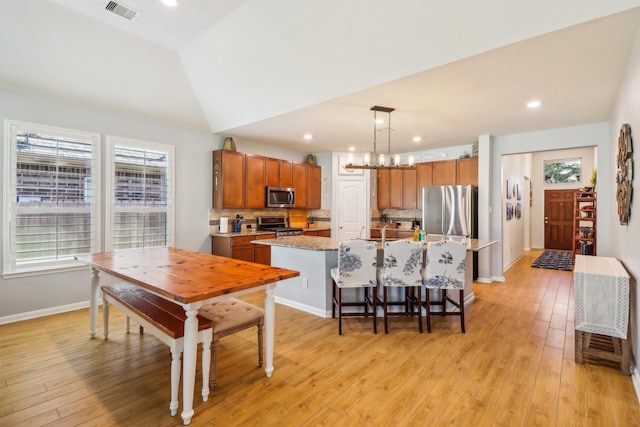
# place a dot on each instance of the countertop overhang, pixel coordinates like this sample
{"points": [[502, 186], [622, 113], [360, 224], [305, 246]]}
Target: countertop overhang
{"points": [[314, 243]]}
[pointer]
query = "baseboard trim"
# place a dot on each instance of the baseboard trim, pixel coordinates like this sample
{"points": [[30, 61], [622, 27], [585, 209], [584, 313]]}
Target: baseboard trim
{"points": [[636, 383], [303, 307], [484, 280], [44, 312]]}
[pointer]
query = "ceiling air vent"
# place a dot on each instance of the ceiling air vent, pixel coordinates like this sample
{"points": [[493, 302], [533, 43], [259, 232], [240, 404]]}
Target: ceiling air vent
{"points": [[122, 10]]}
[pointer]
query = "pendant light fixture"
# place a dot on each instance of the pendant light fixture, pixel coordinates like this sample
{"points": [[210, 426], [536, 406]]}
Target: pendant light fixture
{"points": [[381, 161]]}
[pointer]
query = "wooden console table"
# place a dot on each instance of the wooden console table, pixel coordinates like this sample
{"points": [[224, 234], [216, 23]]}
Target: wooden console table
{"points": [[601, 286]]}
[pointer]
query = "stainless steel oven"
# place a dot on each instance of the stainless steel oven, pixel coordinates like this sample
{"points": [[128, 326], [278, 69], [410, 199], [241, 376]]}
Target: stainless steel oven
{"points": [[280, 197]]}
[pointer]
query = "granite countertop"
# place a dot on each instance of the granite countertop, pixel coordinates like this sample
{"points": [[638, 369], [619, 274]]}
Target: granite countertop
{"points": [[314, 243], [241, 233]]}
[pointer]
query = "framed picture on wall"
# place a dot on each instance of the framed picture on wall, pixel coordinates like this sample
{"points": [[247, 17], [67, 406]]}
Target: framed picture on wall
{"points": [[509, 189], [519, 192], [518, 210], [509, 211], [562, 171]]}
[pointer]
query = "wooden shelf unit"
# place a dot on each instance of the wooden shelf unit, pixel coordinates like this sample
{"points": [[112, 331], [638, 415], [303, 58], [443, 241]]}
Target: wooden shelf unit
{"points": [[584, 223]]}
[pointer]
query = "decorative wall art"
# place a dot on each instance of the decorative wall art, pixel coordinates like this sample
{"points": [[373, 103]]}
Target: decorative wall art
{"points": [[509, 211], [624, 175], [519, 191], [518, 210], [509, 190]]}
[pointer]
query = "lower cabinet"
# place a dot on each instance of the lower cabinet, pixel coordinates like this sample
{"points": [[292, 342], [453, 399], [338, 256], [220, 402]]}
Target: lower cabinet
{"points": [[240, 247]]}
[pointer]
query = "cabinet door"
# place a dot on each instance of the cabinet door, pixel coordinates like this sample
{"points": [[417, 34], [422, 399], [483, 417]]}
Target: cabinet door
{"points": [[272, 172], [254, 181], [445, 172], [286, 176], [299, 173], [244, 253], [424, 171], [383, 188], [262, 254], [324, 233], [314, 189], [395, 189], [467, 171], [409, 182], [228, 179]]}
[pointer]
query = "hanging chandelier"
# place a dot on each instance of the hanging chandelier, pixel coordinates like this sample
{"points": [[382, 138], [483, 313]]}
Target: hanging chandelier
{"points": [[380, 161]]}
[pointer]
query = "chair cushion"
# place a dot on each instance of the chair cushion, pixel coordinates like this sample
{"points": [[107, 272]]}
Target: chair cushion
{"points": [[230, 313]]}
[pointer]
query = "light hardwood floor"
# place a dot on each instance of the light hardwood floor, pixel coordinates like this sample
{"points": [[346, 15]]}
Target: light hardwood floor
{"points": [[514, 367]]}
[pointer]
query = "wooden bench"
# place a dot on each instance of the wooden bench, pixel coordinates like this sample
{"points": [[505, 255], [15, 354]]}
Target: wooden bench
{"points": [[165, 320]]}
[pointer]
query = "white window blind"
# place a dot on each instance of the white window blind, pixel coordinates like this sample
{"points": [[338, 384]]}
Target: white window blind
{"points": [[50, 195], [140, 194]]}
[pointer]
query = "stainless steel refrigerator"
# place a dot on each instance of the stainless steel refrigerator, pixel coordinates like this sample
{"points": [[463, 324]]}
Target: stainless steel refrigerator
{"points": [[451, 210]]}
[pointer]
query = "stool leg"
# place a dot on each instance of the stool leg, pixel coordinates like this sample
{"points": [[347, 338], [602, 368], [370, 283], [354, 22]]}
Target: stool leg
{"points": [[260, 346], [214, 347], [175, 379], [579, 343], [105, 317]]}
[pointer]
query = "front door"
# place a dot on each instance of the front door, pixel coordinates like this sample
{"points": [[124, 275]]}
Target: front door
{"points": [[558, 219], [351, 209]]}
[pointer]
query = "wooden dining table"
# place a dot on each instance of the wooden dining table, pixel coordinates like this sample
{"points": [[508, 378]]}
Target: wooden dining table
{"points": [[189, 279]]}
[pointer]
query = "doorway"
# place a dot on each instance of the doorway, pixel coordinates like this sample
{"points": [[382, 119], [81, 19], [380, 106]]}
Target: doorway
{"points": [[351, 209], [558, 219]]}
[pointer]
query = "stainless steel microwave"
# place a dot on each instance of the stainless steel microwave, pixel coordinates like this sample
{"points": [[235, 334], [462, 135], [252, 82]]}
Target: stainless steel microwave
{"points": [[279, 197]]}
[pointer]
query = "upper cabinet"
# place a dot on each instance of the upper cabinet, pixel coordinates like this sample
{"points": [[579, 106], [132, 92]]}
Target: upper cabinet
{"points": [[239, 180], [445, 172], [467, 171], [314, 187], [402, 189], [228, 179], [255, 181]]}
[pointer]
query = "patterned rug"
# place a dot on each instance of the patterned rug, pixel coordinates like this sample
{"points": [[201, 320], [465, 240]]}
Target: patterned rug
{"points": [[554, 260]]}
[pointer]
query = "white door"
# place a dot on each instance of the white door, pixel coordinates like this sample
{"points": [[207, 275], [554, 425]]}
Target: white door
{"points": [[351, 209]]}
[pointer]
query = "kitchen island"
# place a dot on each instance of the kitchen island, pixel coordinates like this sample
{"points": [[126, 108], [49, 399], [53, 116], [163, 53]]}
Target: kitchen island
{"points": [[314, 257]]}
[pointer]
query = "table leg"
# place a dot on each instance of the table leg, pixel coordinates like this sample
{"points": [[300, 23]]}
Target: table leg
{"points": [[189, 363], [269, 326], [93, 302]]}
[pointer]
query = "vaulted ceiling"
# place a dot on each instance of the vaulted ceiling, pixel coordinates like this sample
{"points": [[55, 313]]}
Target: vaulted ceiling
{"points": [[271, 71]]}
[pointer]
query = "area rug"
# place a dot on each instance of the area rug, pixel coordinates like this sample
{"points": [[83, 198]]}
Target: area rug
{"points": [[554, 260]]}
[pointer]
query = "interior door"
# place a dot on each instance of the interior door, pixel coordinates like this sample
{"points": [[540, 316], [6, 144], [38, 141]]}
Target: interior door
{"points": [[351, 209], [558, 219]]}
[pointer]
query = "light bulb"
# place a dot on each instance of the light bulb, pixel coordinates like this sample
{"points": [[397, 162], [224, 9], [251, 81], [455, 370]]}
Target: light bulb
{"points": [[381, 159]]}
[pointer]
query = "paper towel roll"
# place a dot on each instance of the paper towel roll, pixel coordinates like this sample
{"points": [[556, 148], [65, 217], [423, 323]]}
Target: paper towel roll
{"points": [[224, 224]]}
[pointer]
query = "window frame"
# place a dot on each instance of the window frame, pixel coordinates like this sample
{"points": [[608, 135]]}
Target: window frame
{"points": [[10, 266], [111, 143]]}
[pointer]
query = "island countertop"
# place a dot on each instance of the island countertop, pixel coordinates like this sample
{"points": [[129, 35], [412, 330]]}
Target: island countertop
{"points": [[314, 243]]}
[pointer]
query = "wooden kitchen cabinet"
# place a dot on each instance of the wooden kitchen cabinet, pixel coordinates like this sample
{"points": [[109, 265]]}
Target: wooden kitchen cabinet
{"points": [[255, 181], [409, 189], [467, 171], [395, 189], [425, 179], [382, 178], [299, 172], [272, 173], [286, 173], [314, 187], [240, 247], [228, 179], [320, 233], [445, 172]]}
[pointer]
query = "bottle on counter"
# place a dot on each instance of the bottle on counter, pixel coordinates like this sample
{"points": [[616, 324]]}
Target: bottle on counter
{"points": [[422, 235], [416, 234]]}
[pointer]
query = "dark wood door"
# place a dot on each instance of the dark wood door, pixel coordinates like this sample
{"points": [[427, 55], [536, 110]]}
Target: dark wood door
{"points": [[558, 219]]}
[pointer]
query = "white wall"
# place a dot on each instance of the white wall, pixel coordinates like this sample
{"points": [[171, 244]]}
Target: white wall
{"points": [[625, 237], [39, 294], [514, 169]]}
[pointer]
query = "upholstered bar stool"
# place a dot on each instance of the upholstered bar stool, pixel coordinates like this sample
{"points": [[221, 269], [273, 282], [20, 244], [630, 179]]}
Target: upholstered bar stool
{"points": [[229, 316]]}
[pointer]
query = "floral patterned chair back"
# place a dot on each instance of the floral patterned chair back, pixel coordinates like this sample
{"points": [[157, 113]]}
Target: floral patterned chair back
{"points": [[402, 263], [357, 264], [445, 265]]}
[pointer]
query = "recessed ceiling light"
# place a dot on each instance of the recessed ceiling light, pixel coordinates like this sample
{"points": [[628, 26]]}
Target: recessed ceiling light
{"points": [[352, 148], [534, 104], [417, 139], [170, 3], [308, 136]]}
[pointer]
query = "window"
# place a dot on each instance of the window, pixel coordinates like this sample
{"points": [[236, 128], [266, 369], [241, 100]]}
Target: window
{"points": [[140, 189], [51, 206]]}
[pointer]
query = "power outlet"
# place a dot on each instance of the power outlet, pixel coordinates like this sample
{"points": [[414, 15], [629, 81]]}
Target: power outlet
{"points": [[305, 282]]}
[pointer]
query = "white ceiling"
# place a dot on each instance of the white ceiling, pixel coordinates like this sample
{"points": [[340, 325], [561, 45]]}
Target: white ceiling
{"points": [[162, 65]]}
